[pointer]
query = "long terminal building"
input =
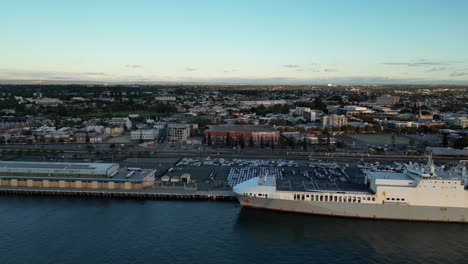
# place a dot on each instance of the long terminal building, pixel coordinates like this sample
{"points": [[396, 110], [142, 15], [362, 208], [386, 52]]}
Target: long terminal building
{"points": [[74, 175]]}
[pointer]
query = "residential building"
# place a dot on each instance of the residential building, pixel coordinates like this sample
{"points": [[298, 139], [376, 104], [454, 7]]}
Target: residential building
{"points": [[165, 98], [387, 100], [178, 133], [256, 133], [144, 134], [461, 121], [121, 121], [114, 130], [309, 115], [334, 121]]}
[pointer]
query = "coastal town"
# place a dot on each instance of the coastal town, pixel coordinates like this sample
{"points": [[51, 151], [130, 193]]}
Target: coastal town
{"points": [[178, 140], [367, 119]]}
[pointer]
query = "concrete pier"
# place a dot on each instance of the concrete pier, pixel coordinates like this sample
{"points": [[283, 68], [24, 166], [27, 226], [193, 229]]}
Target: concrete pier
{"points": [[149, 194]]}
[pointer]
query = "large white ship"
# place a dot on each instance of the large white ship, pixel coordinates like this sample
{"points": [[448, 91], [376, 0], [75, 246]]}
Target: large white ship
{"points": [[416, 194]]}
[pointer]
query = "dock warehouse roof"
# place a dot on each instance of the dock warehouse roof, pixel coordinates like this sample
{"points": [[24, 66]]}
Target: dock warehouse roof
{"points": [[58, 168]]}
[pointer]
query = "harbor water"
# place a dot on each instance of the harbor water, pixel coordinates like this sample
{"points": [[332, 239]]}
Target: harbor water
{"points": [[89, 230]]}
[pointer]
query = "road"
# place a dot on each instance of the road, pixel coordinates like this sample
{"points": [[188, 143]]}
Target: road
{"points": [[120, 152]]}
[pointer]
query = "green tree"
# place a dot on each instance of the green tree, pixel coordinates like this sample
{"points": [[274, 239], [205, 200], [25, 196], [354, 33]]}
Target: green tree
{"points": [[305, 144], [341, 144], [209, 139], [461, 142], [251, 141], [228, 139], [445, 140], [241, 141], [321, 141]]}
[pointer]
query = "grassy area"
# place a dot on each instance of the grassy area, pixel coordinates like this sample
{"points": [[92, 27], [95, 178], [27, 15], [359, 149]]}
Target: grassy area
{"points": [[380, 139]]}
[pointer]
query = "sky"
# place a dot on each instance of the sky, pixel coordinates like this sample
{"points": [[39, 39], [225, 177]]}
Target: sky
{"points": [[284, 42]]}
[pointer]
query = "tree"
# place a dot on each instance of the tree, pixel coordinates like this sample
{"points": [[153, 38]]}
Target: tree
{"points": [[209, 139], [341, 144], [89, 148], [241, 141], [251, 141], [320, 140], [262, 142], [291, 143], [461, 142], [393, 141], [445, 140], [228, 139], [412, 142], [305, 144]]}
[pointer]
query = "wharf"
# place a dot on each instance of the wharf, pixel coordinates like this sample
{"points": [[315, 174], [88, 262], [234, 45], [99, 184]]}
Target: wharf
{"points": [[149, 194]]}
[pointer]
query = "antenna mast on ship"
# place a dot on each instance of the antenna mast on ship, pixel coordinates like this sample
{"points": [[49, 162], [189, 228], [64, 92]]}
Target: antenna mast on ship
{"points": [[463, 172], [430, 167]]}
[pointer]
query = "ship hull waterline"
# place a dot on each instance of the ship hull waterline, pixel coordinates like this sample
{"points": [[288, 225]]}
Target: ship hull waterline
{"points": [[397, 212]]}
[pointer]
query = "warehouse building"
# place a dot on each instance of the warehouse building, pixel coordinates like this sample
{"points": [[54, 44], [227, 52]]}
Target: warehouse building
{"points": [[74, 175]]}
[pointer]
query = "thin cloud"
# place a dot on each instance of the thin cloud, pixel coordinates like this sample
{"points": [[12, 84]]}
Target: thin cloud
{"points": [[228, 71], [291, 66], [134, 66], [331, 70], [422, 63], [189, 69], [458, 74], [96, 73], [436, 69]]}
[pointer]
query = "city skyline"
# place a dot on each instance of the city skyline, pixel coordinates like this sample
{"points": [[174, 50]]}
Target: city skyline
{"points": [[260, 42]]}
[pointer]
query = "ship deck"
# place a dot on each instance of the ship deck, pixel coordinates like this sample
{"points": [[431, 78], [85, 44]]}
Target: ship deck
{"points": [[313, 185]]}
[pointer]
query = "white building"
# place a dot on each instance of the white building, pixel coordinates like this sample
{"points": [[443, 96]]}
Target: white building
{"points": [[309, 115], [165, 98], [178, 133], [331, 121], [121, 121], [299, 111], [144, 134], [45, 101], [461, 121], [354, 110]]}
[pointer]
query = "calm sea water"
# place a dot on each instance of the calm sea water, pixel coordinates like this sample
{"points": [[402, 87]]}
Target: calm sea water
{"points": [[58, 230]]}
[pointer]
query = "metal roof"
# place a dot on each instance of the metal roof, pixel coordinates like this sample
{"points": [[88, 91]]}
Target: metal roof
{"points": [[56, 165]]}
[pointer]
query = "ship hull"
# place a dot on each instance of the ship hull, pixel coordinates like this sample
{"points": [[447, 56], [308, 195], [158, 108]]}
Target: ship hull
{"points": [[360, 210]]}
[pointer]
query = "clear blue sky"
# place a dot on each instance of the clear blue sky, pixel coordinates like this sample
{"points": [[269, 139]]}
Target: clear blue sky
{"points": [[235, 41]]}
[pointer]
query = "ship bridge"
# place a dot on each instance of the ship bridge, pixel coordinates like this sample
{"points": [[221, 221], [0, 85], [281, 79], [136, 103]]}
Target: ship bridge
{"points": [[383, 178]]}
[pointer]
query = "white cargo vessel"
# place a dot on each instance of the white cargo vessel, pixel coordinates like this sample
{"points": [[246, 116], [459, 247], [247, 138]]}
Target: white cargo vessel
{"points": [[416, 194]]}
